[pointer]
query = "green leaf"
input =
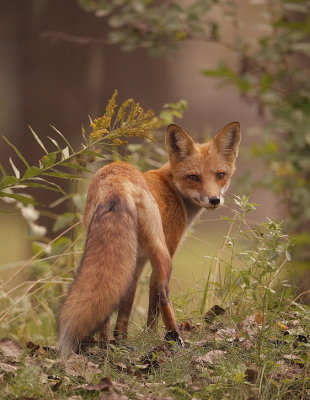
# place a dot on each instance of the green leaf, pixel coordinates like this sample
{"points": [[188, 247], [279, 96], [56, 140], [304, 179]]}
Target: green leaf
{"points": [[38, 248], [55, 143], [32, 171], [38, 139], [8, 181], [19, 197], [266, 81], [94, 154], [65, 153], [59, 188], [63, 221], [16, 151], [49, 159], [221, 72], [15, 169], [83, 134], [2, 170], [42, 186], [241, 82], [60, 245], [60, 174], [63, 137]]}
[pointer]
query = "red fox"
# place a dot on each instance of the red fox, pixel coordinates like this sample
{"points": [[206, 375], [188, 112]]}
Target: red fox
{"points": [[132, 217]]}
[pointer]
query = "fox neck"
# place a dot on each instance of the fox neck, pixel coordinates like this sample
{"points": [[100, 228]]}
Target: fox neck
{"points": [[191, 209]]}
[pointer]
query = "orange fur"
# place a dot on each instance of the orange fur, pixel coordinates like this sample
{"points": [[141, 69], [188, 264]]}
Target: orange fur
{"points": [[132, 217]]}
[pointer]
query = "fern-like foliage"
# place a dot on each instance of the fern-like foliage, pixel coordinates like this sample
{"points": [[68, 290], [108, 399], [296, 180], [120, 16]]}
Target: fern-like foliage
{"points": [[127, 120]]}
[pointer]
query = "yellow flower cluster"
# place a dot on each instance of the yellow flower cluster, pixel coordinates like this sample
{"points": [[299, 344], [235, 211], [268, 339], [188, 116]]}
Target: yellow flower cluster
{"points": [[102, 125], [119, 142], [130, 121]]}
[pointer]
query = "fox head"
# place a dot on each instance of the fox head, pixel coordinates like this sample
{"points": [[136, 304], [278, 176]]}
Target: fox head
{"points": [[202, 172]]}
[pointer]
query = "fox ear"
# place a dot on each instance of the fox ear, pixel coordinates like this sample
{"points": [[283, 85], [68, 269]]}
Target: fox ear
{"points": [[227, 140], [179, 144]]}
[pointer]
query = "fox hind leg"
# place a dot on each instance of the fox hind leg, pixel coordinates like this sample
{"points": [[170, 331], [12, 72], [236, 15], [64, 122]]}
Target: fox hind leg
{"points": [[121, 327], [104, 334]]}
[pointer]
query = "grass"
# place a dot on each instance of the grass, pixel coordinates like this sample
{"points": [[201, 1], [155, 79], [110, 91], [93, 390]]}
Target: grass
{"points": [[235, 356], [258, 348]]}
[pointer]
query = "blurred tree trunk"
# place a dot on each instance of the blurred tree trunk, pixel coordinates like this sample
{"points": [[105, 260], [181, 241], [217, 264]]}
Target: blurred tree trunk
{"points": [[48, 80]]}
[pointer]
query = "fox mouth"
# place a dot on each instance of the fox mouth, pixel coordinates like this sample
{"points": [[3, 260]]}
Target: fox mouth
{"points": [[207, 206], [212, 207]]}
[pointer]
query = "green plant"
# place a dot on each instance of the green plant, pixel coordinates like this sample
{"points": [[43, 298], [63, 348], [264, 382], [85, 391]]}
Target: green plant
{"points": [[271, 72], [157, 27]]}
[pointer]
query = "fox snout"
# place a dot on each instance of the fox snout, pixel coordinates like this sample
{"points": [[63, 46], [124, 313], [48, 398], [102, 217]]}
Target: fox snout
{"points": [[211, 202]]}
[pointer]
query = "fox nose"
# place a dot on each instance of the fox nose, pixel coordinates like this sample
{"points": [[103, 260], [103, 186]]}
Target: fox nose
{"points": [[214, 200]]}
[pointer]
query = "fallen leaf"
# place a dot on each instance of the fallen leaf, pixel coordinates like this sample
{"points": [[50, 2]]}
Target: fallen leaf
{"points": [[121, 366], [186, 326], [226, 334], [78, 365], [251, 373], [286, 371], [199, 343], [104, 384], [112, 396], [152, 385], [7, 368], [142, 366], [211, 357], [40, 361], [54, 382], [154, 358], [213, 312], [259, 317], [252, 324], [88, 342], [53, 350], [32, 347], [246, 343], [28, 398], [152, 397], [199, 382], [10, 349]]}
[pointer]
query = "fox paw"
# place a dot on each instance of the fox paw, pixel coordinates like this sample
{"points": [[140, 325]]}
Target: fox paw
{"points": [[174, 336]]}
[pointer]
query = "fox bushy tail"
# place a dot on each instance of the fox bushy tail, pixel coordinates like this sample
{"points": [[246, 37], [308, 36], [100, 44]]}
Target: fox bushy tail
{"points": [[104, 275]]}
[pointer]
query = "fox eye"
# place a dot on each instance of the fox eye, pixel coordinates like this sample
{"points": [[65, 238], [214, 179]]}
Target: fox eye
{"points": [[194, 178], [220, 175]]}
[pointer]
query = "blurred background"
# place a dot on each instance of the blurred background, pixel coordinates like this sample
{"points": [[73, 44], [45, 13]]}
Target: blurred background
{"points": [[235, 60]]}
